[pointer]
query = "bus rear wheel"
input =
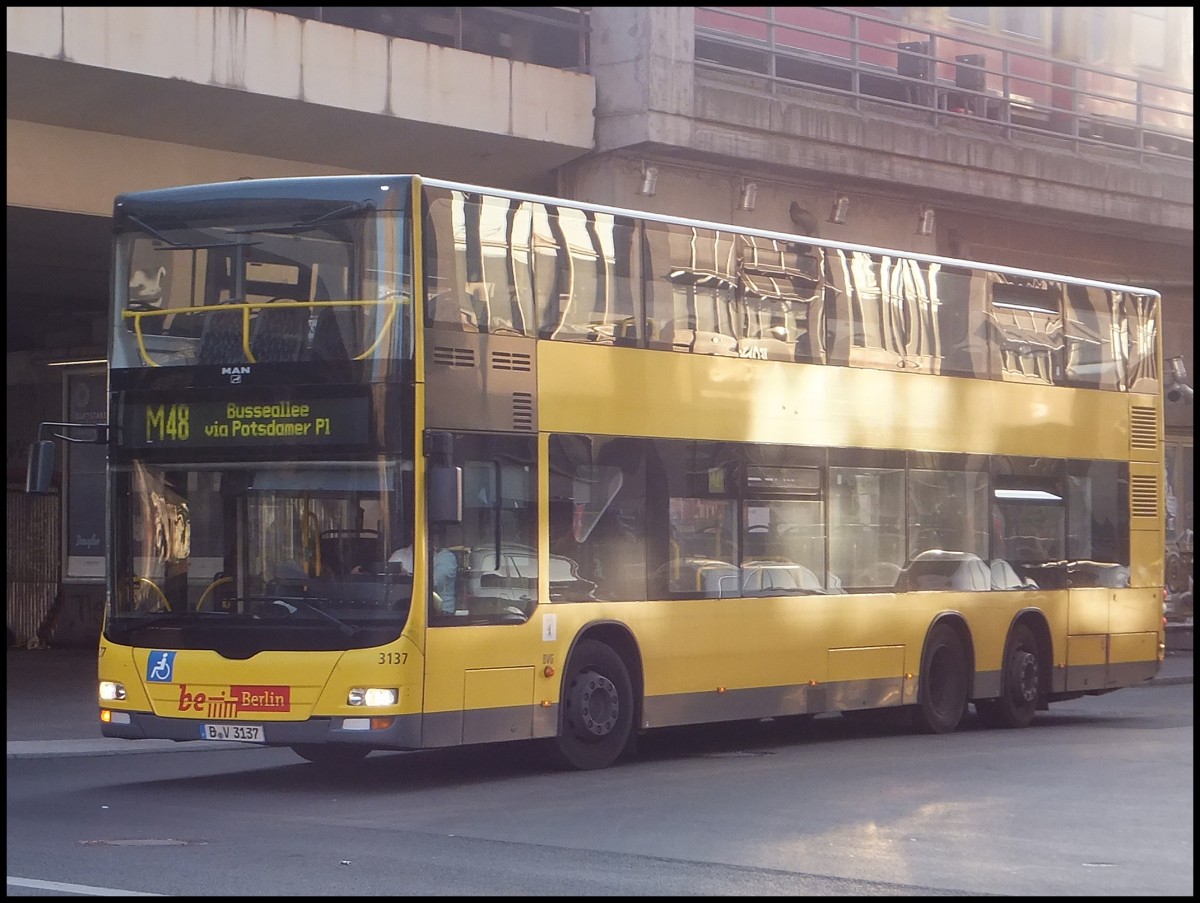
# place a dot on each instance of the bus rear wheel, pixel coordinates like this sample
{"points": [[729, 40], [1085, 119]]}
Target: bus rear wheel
{"points": [[597, 708], [1020, 684], [943, 692], [331, 755]]}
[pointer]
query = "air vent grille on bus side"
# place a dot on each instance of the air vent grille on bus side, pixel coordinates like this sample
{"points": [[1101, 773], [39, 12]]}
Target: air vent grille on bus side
{"points": [[523, 411], [512, 360], [1143, 495], [1143, 428], [453, 357]]}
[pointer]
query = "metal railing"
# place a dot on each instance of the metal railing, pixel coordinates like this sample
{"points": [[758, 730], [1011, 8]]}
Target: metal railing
{"points": [[946, 77]]}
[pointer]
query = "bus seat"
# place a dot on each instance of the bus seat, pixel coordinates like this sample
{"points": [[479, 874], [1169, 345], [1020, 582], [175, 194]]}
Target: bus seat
{"points": [[718, 581], [327, 343], [1004, 577], [221, 338], [185, 324], [883, 574], [806, 579], [973, 575], [279, 333]]}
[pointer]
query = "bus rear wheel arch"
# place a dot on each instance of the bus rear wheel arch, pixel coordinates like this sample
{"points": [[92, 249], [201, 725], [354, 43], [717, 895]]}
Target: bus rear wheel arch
{"points": [[1022, 682], [597, 707], [945, 681]]}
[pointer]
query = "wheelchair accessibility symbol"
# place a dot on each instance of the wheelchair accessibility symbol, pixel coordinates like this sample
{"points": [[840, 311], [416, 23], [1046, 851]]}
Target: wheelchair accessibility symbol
{"points": [[160, 668]]}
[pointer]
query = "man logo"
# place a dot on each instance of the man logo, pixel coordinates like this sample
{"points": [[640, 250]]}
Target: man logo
{"points": [[235, 374]]}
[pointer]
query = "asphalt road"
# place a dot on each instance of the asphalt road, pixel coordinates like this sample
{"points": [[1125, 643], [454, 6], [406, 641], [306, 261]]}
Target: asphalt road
{"points": [[1094, 799]]}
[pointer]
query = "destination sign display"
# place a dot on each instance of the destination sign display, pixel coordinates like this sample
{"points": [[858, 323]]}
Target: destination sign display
{"points": [[192, 424]]}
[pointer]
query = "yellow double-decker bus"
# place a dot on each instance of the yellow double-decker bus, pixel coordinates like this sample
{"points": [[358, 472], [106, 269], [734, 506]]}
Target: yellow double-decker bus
{"points": [[399, 463]]}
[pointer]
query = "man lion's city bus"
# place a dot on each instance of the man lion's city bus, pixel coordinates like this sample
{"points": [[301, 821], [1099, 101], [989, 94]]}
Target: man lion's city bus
{"points": [[397, 463]]}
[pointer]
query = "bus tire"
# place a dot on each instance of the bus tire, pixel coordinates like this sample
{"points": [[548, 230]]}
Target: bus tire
{"points": [[943, 689], [597, 708], [331, 755], [1020, 684]]}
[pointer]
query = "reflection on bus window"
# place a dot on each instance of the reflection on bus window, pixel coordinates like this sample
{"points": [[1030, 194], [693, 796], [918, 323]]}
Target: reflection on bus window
{"points": [[1027, 329], [230, 540], [1098, 531], [477, 265], [782, 303], [1029, 518], [1140, 331], [506, 266], [691, 289], [598, 523], [495, 567], [583, 281], [948, 509], [866, 524], [509, 267], [1094, 321]]}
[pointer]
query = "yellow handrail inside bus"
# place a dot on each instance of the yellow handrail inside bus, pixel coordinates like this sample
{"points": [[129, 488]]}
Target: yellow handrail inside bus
{"points": [[383, 330], [137, 578], [208, 589], [137, 330], [250, 307]]}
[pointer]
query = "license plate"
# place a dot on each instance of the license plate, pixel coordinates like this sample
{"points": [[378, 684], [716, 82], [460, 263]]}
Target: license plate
{"points": [[247, 733]]}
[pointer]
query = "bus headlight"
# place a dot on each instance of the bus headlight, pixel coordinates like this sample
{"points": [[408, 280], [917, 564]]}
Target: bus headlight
{"points": [[111, 690], [373, 696]]}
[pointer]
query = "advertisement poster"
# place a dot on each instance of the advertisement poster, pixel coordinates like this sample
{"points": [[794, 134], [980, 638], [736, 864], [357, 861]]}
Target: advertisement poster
{"points": [[86, 505]]}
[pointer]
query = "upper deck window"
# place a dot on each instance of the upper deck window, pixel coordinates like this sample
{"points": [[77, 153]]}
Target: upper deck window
{"points": [[254, 285], [515, 267], [527, 267]]}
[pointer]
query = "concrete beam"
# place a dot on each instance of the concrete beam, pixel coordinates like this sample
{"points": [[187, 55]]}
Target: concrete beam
{"points": [[277, 86]]}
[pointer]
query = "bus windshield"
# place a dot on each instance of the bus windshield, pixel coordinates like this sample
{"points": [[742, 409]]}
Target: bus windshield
{"points": [[298, 545], [236, 284]]}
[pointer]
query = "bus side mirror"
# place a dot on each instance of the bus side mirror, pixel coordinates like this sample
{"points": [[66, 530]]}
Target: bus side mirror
{"points": [[41, 467], [445, 494]]}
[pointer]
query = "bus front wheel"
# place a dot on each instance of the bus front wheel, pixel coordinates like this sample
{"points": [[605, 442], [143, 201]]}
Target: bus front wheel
{"points": [[943, 694], [597, 708], [1020, 684]]}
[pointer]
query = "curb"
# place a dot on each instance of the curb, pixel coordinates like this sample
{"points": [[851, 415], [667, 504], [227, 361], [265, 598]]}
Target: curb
{"points": [[1169, 681], [107, 746]]}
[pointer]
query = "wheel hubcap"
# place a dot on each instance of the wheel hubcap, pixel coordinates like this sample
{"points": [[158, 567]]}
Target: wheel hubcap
{"points": [[596, 703], [1025, 675]]}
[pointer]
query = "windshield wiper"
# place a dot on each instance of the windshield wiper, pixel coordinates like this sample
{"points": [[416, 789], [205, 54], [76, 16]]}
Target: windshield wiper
{"points": [[291, 602]]}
